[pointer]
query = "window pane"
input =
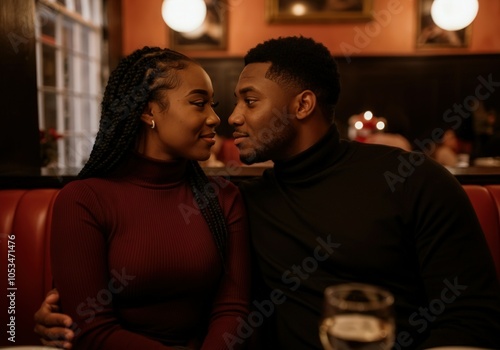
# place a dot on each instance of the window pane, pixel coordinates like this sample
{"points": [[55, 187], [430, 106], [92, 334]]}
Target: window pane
{"points": [[93, 39], [94, 80], [94, 117], [67, 33], [87, 144], [86, 127], [85, 38], [49, 102], [49, 65], [86, 9], [96, 11], [69, 119], [47, 21], [69, 79], [77, 151], [70, 150], [69, 125], [85, 76], [70, 5], [78, 6]]}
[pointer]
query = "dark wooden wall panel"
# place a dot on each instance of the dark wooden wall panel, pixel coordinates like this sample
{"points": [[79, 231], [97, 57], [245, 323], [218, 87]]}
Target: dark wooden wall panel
{"points": [[413, 93], [19, 140]]}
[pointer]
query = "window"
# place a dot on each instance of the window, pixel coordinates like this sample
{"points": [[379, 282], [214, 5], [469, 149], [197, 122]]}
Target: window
{"points": [[69, 76]]}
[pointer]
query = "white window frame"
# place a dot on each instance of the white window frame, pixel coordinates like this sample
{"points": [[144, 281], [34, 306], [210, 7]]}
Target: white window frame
{"points": [[80, 122]]}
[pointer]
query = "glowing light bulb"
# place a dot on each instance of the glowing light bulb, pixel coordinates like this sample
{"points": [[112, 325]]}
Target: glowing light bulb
{"points": [[368, 115], [299, 9], [184, 15], [358, 125], [454, 14], [380, 125]]}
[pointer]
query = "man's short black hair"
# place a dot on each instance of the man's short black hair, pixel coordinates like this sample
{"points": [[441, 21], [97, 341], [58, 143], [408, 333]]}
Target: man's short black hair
{"points": [[300, 63]]}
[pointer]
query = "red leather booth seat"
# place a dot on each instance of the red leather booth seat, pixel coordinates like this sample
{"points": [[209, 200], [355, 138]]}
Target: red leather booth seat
{"points": [[486, 203], [25, 219]]}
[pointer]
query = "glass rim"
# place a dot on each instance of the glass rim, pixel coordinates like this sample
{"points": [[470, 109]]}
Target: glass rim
{"points": [[386, 297]]}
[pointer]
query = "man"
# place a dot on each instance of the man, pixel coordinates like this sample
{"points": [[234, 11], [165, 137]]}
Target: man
{"points": [[333, 211]]}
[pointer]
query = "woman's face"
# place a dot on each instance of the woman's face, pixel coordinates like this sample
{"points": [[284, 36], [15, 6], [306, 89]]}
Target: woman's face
{"points": [[185, 125]]}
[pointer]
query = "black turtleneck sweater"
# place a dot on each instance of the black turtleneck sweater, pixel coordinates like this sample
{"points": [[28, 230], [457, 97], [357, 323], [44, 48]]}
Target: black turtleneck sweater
{"points": [[137, 266], [344, 211]]}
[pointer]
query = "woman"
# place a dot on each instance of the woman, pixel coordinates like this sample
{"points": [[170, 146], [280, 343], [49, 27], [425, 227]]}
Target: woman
{"points": [[147, 252]]}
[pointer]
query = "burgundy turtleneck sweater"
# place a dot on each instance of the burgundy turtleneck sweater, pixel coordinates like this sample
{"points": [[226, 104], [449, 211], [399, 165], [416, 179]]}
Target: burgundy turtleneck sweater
{"points": [[136, 264]]}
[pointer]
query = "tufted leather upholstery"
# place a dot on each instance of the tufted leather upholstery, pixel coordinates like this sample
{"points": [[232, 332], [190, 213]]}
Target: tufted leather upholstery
{"points": [[486, 203], [26, 214]]}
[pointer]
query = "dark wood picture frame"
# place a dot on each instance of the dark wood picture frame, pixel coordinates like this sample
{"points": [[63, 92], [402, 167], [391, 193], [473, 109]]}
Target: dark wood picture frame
{"points": [[314, 11], [430, 36], [212, 34]]}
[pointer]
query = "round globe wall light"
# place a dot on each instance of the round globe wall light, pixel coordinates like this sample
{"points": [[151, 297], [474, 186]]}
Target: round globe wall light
{"points": [[184, 15], [454, 14]]}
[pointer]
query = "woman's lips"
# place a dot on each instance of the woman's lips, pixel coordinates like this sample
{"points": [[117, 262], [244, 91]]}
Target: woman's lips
{"points": [[210, 138]]}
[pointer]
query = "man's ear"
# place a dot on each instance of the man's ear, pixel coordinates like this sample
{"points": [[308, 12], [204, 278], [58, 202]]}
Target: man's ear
{"points": [[306, 103]]}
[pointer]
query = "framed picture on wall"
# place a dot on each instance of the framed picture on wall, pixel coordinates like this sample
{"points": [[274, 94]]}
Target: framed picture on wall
{"points": [[211, 35], [318, 10], [429, 35]]}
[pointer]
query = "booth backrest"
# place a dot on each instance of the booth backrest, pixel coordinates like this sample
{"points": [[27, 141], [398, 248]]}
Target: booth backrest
{"points": [[25, 219], [486, 203]]}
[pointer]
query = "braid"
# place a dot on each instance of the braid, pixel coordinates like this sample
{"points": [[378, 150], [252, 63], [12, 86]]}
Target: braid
{"points": [[209, 206], [134, 83]]}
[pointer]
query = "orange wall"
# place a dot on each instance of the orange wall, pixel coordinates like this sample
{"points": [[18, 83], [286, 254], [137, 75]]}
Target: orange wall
{"points": [[247, 26]]}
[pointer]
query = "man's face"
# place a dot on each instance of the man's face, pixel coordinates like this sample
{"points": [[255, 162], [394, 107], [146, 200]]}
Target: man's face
{"points": [[264, 128]]}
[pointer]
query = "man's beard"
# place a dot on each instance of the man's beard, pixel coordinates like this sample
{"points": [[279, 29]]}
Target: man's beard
{"points": [[270, 146]]}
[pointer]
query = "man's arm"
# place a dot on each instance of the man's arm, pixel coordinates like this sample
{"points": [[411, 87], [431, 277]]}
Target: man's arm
{"points": [[51, 326], [456, 265]]}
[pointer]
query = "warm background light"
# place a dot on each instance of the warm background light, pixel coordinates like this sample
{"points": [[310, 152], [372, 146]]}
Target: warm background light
{"points": [[454, 14], [184, 15], [299, 9], [368, 115], [380, 125]]}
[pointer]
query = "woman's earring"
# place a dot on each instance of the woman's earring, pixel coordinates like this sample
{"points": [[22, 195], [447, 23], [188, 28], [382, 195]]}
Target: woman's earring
{"points": [[152, 124]]}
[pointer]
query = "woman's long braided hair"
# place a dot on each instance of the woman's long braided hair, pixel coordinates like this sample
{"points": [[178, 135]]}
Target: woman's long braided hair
{"points": [[140, 78]]}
